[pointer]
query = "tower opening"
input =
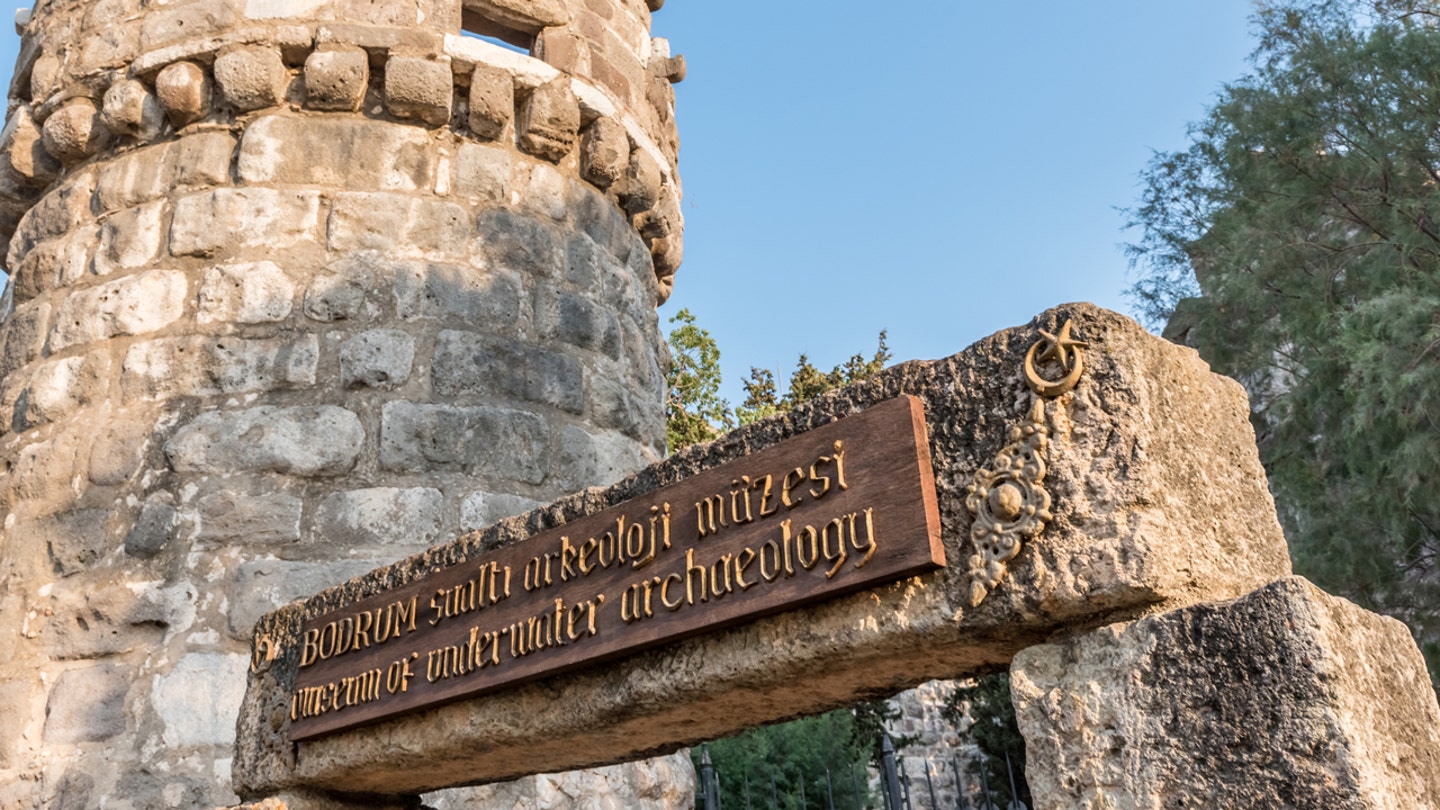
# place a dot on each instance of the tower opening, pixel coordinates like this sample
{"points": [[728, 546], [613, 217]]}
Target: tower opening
{"points": [[479, 26]]}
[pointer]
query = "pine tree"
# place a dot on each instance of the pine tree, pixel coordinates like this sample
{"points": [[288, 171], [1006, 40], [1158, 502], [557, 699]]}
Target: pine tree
{"points": [[1296, 244]]}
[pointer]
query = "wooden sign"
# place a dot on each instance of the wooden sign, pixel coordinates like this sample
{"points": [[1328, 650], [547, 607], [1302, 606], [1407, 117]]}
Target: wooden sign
{"points": [[844, 507]]}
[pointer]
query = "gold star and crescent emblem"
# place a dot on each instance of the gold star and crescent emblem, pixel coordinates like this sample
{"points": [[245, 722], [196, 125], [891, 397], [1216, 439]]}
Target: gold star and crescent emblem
{"points": [[1062, 349]]}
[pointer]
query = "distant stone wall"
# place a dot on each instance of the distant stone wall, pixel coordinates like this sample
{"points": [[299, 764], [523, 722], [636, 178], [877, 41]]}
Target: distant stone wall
{"points": [[298, 289]]}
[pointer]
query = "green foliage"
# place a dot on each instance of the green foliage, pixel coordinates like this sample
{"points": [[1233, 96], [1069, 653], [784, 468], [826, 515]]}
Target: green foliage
{"points": [[993, 728], [797, 752], [792, 754], [806, 382], [1306, 215], [694, 409]]}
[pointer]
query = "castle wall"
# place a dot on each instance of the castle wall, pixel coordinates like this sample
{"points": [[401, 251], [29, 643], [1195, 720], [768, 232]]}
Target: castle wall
{"points": [[299, 288]]}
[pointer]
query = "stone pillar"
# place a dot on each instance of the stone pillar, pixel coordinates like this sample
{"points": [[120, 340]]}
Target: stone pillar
{"points": [[298, 289], [1287, 697]]}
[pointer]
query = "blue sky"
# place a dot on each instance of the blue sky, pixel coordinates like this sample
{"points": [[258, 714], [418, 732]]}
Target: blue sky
{"points": [[940, 169]]}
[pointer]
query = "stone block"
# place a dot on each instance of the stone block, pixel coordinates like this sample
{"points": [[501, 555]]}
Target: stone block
{"points": [[134, 305], [63, 209], [118, 450], [87, 704], [130, 239], [604, 152], [129, 108], [56, 263], [393, 223], [185, 92], [499, 442], [336, 78], [545, 193], [75, 131], [93, 620], [74, 540], [40, 481], [23, 336], [492, 101], [211, 366], [60, 387], [1287, 697], [338, 152], [380, 358], [482, 173], [519, 243], [419, 88], [133, 179], [197, 18], [599, 458], [643, 180], [26, 151], [549, 120], [251, 292], [311, 441], [216, 676], [349, 289], [229, 219], [1158, 501], [260, 587], [469, 366], [154, 528], [480, 509], [251, 77], [235, 518], [577, 320], [381, 516], [462, 293], [201, 160]]}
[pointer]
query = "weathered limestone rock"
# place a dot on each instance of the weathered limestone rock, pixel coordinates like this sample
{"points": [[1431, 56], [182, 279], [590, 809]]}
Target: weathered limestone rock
{"points": [[184, 91], [336, 78], [75, 131], [309, 441], [1158, 502], [549, 121], [642, 182], [1286, 697], [604, 152], [419, 88], [131, 109], [251, 77], [492, 101], [26, 150], [87, 704]]}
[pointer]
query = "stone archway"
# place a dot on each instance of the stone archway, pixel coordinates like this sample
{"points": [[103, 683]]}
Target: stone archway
{"points": [[1133, 565]]}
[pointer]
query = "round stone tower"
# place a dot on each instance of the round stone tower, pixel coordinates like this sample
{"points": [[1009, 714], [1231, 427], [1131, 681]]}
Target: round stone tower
{"points": [[299, 287]]}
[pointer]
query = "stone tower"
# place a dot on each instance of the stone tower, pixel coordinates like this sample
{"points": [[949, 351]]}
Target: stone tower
{"points": [[298, 287]]}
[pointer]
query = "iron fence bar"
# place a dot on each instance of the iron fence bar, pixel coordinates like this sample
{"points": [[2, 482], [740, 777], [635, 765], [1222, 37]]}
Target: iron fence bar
{"points": [[892, 777], [1010, 769], [829, 791], [985, 783], [855, 786], [930, 783], [747, 791], [707, 777]]}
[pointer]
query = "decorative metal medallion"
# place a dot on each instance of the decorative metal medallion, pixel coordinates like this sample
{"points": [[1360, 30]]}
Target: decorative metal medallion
{"points": [[1007, 499], [263, 653]]}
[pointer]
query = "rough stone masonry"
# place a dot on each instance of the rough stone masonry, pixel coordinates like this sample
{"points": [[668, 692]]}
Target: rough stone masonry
{"points": [[299, 289], [1113, 542], [1159, 502]]}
